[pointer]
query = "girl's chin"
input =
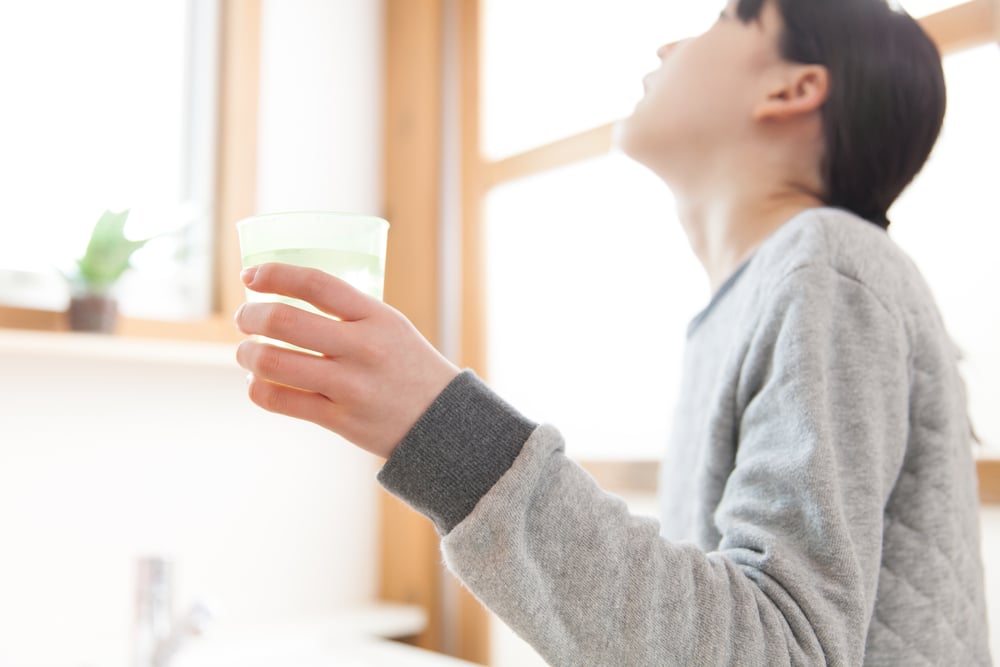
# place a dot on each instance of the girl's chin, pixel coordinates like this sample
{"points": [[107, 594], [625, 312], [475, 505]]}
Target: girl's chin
{"points": [[633, 137]]}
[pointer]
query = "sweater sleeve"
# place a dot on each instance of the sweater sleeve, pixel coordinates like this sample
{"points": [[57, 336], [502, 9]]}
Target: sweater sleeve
{"points": [[821, 413], [456, 452]]}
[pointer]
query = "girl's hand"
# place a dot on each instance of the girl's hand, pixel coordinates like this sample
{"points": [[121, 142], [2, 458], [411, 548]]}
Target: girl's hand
{"points": [[376, 374]]}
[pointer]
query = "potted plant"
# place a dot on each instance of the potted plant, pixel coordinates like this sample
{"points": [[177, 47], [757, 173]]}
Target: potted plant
{"points": [[93, 306]]}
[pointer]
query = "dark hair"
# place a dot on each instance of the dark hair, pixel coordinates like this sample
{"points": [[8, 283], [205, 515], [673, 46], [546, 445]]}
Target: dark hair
{"points": [[886, 100]]}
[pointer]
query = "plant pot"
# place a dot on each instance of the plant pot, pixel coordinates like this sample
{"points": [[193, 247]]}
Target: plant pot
{"points": [[93, 312]]}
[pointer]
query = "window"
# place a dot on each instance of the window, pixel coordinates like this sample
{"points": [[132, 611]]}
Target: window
{"points": [[536, 89], [590, 286], [572, 252], [109, 104]]}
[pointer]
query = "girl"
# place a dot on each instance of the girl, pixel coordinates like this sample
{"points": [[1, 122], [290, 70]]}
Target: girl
{"points": [[819, 503]]}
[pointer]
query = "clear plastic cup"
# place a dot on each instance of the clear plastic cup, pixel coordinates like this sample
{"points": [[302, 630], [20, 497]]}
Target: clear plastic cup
{"points": [[350, 246]]}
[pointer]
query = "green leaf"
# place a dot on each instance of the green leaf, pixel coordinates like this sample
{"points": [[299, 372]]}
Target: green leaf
{"points": [[108, 253]]}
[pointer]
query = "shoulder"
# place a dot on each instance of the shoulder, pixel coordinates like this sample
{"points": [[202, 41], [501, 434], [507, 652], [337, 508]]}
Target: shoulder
{"points": [[833, 240], [825, 250]]}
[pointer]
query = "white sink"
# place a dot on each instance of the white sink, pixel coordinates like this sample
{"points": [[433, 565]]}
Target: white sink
{"points": [[345, 652], [355, 638]]}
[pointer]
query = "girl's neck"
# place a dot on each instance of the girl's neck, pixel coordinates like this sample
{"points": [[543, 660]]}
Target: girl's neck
{"points": [[724, 229]]}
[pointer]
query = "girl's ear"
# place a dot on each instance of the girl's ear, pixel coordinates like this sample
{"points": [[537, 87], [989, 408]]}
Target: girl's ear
{"points": [[801, 90]]}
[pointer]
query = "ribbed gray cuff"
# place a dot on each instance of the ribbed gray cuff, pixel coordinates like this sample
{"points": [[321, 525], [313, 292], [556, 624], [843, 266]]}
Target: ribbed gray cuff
{"points": [[455, 453]]}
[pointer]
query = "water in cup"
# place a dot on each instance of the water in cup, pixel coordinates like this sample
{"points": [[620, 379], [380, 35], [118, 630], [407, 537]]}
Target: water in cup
{"points": [[349, 246], [362, 271]]}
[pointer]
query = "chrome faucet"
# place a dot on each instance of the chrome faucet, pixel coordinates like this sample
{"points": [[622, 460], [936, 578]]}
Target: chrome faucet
{"points": [[157, 637]]}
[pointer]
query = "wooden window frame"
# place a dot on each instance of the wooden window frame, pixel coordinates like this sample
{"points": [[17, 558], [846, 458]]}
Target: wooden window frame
{"points": [[410, 560], [235, 190]]}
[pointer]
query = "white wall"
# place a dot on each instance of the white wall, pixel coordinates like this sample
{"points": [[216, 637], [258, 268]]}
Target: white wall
{"points": [[321, 100], [102, 461]]}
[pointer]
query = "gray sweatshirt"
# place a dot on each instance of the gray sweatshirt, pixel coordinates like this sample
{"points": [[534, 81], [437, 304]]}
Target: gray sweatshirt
{"points": [[819, 503]]}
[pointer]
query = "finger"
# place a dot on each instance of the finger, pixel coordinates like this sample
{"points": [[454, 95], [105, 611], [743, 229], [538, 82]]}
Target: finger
{"points": [[287, 367], [290, 324], [328, 293], [292, 402]]}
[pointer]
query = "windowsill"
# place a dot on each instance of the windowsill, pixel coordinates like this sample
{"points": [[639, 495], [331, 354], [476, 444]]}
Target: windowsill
{"points": [[217, 328], [69, 345]]}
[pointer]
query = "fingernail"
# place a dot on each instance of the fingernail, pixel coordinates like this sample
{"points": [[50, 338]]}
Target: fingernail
{"points": [[248, 275], [249, 378], [236, 315]]}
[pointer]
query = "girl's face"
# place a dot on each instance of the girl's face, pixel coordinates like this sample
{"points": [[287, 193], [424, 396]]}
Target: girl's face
{"points": [[700, 102]]}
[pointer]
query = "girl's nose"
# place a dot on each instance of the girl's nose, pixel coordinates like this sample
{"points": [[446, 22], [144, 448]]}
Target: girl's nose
{"points": [[665, 50]]}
